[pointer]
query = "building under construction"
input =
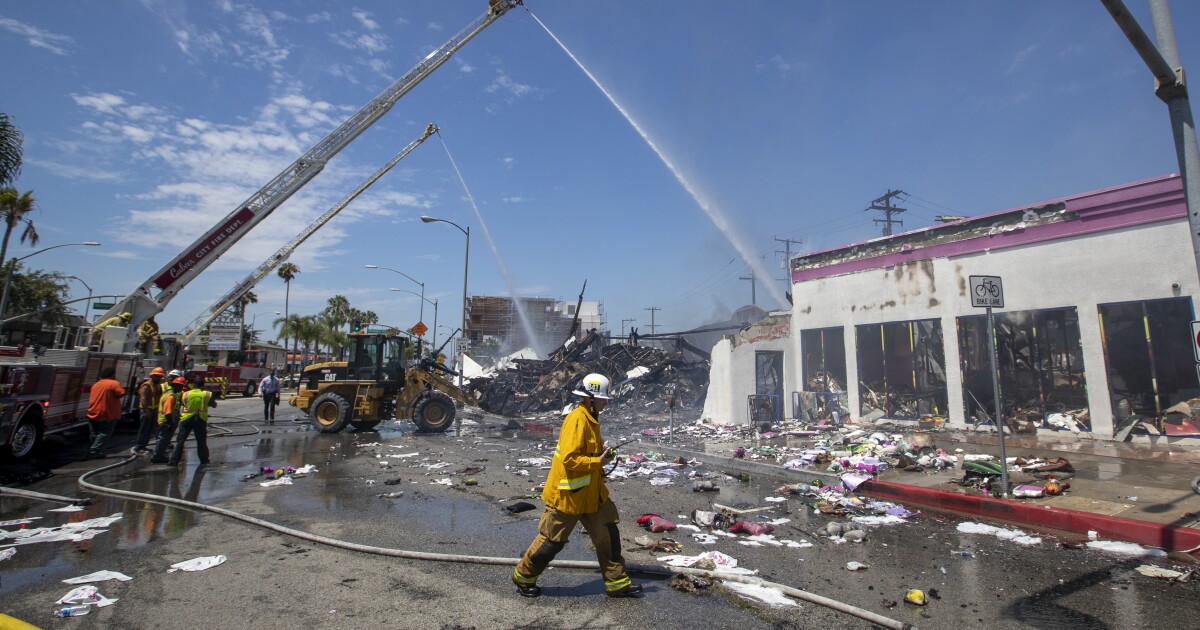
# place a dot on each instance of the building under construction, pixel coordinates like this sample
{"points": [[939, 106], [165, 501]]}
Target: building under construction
{"points": [[494, 326]]}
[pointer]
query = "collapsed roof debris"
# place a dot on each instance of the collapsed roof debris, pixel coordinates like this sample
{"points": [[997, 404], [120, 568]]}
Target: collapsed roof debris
{"points": [[641, 375]]}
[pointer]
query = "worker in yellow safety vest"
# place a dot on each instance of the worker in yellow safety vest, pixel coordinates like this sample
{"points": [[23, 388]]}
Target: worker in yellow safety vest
{"points": [[193, 417], [168, 418], [575, 493]]}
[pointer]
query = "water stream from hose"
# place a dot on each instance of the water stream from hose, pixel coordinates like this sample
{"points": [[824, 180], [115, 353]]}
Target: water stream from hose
{"points": [[714, 213], [522, 316]]}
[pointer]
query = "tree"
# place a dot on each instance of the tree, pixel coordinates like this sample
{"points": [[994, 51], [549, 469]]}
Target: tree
{"points": [[10, 152], [14, 209], [287, 271], [339, 311], [37, 290], [289, 328]]}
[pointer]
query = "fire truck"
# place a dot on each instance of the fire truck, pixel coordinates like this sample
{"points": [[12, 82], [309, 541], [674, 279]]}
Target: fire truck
{"points": [[42, 393], [47, 392]]}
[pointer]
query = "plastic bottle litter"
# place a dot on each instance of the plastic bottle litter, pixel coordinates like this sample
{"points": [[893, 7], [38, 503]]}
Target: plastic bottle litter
{"points": [[73, 611], [961, 552], [855, 566]]}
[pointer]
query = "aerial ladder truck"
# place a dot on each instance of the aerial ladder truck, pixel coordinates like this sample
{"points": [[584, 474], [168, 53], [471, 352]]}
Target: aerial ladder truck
{"points": [[245, 379], [153, 295]]}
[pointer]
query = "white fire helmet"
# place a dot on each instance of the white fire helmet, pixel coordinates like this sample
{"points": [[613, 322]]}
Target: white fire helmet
{"points": [[593, 386], [174, 373]]}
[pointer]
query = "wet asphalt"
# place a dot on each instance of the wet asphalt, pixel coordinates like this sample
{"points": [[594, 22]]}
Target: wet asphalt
{"points": [[275, 581]]}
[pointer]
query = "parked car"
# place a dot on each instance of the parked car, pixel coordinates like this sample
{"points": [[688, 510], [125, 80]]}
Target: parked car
{"points": [[290, 381]]}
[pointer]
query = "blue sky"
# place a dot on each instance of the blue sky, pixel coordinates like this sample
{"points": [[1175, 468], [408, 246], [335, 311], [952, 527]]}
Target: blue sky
{"points": [[146, 122]]}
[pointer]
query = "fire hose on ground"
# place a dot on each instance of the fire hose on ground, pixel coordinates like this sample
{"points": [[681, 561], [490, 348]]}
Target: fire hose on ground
{"points": [[842, 607]]}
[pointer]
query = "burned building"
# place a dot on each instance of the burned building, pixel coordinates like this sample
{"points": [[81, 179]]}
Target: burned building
{"points": [[494, 326], [1093, 336]]}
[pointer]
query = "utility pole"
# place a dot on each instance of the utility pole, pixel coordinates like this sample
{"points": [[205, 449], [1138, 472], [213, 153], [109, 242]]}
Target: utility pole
{"points": [[652, 326], [787, 260], [888, 210], [753, 286], [1164, 63], [626, 321]]}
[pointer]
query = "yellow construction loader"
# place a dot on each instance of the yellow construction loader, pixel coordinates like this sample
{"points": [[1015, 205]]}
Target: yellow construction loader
{"points": [[376, 383]]}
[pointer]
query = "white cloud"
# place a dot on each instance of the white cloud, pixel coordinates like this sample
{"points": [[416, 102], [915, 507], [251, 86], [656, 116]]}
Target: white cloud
{"points": [[103, 102], [463, 65], [36, 37], [1021, 58], [314, 18], [505, 85], [508, 161], [514, 199], [364, 18], [78, 172], [434, 26]]}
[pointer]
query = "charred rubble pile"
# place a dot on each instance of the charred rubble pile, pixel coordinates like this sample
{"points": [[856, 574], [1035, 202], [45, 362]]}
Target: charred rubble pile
{"points": [[641, 376]]}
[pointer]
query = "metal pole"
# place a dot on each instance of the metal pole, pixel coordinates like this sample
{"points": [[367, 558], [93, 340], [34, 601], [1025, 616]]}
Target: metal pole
{"points": [[991, 333], [4, 297], [434, 342], [1182, 126], [462, 335], [1163, 62]]}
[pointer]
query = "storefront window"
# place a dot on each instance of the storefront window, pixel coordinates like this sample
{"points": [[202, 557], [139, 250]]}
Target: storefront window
{"points": [[1041, 370], [901, 369], [823, 357], [1151, 366]]}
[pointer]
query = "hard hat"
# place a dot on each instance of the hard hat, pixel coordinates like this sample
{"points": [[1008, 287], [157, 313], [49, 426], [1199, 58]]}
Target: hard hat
{"points": [[178, 380], [126, 315], [593, 386], [157, 372], [174, 373]]}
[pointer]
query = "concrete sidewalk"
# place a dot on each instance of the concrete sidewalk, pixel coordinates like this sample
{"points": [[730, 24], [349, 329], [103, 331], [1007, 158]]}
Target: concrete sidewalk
{"points": [[1138, 493]]}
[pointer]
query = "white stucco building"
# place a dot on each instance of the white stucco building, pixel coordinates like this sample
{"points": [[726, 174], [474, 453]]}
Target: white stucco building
{"points": [[1094, 335]]}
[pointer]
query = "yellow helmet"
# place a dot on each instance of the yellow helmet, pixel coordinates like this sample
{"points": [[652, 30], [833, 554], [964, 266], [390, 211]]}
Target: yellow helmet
{"points": [[126, 316]]}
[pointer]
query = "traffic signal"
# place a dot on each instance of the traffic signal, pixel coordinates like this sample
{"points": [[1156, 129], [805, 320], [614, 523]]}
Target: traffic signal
{"points": [[356, 325]]}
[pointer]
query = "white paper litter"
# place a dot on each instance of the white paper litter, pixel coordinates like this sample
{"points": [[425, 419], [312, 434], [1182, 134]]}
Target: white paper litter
{"points": [[661, 481], [886, 519], [5, 554], [98, 576], [721, 562], [688, 526], [69, 508], [71, 532], [304, 470], [766, 594], [776, 499], [855, 566], [197, 564], [749, 543], [1125, 549], [20, 521], [442, 482], [1149, 570], [536, 462], [1015, 535], [86, 595], [282, 481]]}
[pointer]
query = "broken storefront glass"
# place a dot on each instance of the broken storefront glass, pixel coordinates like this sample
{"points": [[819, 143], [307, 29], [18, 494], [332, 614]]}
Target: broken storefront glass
{"points": [[1042, 377], [901, 370], [823, 352], [1151, 367]]}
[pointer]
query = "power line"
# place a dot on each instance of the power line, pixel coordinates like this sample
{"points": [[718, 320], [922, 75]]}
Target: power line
{"points": [[652, 309]]}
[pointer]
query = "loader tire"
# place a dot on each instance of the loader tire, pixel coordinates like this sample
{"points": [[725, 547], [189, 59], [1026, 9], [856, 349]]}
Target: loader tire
{"points": [[434, 413], [330, 413]]}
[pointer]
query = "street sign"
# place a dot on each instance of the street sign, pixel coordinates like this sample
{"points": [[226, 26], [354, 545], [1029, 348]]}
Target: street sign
{"points": [[1196, 341], [420, 329], [102, 306], [987, 291]]}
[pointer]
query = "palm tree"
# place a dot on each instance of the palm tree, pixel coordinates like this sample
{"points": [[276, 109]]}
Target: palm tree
{"points": [[13, 210], [287, 271], [10, 152], [310, 331], [339, 311], [289, 328]]}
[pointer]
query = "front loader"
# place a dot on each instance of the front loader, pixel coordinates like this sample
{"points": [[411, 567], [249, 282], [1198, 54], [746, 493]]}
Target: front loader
{"points": [[374, 385]]}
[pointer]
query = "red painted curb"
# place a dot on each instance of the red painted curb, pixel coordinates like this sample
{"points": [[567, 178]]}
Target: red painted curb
{"points": [[1161, 535]]}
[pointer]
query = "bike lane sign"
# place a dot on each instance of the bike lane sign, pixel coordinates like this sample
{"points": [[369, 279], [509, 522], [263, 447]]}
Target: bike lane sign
{"points": [[987, 291]]}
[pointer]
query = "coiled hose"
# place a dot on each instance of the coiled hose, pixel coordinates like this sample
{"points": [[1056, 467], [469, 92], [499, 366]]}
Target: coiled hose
{"points": [[867, 615]]}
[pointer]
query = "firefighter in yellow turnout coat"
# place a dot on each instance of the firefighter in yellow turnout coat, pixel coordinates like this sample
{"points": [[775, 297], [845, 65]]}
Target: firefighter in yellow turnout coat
{"points": [[575, 493]]}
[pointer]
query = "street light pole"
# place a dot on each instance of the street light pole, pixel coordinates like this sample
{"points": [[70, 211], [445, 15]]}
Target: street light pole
{"points": [[12, 265], [434, 302], [87, 310], [421, 317], [464, 339]]}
